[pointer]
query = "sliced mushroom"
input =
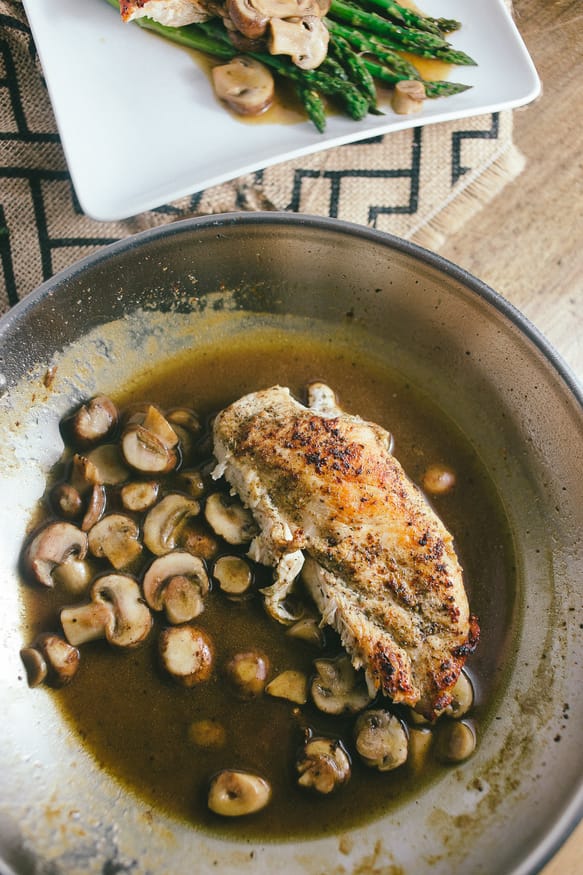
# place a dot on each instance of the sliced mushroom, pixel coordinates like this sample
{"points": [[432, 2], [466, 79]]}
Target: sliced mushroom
{"points": [[186, 653], [186, 419], [116, 538], [66, 501], [84, 474], [157, 424], [245, 84], [61, 659], [456, 741], [94, 421], [134, 414], [243, 43], [337, 687], [323, 765], [229, 519], [305, 40], [462, 697], [108, 464], [84, 496], [234, 575], [139, 495], [116, 612], [176, 583], [35, 666], [438, 480], [408, 96], [52, 546], [50, 659], [248, 20], [236, 793], [164, 522], [308, 630], [381, 740], [145, 452], [291, 685], [248, 672], [95, 507], [250, 17]]}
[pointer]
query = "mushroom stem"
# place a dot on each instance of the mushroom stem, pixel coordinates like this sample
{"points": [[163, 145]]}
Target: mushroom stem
{"points": [[83, 623], [245, 85], [408, 96]]}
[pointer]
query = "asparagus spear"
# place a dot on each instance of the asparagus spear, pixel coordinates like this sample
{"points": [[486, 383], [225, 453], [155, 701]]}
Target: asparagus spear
{"points": [[406, 36], [433, 88], [333, 66], [445, 25], [358, 95], [417, 42], [372, 45], [358, 71], [409, 17], [354, 102], [403, 16], [314, 106], [398, 66]]}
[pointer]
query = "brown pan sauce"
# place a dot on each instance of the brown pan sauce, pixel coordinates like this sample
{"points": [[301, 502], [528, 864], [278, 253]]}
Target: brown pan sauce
{"points": [[136, 721]]}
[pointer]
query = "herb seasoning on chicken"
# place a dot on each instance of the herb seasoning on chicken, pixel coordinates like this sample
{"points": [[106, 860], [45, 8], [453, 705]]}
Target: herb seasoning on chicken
{"points": [[381, 565]]}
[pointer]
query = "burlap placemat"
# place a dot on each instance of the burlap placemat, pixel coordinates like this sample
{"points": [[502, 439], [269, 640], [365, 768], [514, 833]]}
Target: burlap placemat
{"points": [[420, 184]]}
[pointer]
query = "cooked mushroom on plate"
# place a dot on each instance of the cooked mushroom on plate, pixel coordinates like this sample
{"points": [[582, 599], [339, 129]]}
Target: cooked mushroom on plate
{"points": [[328, 49]]}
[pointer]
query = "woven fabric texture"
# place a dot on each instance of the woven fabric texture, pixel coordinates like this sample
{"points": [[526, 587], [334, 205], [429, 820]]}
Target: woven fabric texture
{"points": [[420, 184]]}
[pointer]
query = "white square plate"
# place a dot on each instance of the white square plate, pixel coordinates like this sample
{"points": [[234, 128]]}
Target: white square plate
{"points": [[140, 125]]}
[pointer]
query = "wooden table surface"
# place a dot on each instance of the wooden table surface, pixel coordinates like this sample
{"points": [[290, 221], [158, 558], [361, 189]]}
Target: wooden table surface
{"points": [[528, 243]]}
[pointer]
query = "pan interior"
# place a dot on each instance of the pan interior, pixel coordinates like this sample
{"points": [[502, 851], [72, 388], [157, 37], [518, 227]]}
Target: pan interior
{"points": [[165, 769], [490, 384]]}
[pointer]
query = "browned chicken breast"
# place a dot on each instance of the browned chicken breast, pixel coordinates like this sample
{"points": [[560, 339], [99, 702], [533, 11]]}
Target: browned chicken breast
{"points": [[333, 503]]}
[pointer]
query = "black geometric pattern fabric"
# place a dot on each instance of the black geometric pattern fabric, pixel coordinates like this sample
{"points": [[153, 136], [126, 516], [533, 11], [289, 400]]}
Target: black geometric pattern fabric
{"points": [[403, 183]]}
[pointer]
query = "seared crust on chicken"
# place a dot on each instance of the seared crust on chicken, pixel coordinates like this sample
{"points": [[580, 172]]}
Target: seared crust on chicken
{"points": [[380, 564]]}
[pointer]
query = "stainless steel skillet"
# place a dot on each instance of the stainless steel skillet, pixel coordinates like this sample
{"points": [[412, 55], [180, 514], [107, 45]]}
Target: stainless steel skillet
{"points": [[139, 301]]}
